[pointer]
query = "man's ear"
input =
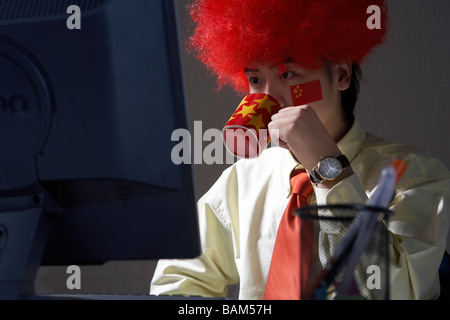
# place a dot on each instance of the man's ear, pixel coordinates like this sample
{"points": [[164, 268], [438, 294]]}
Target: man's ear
{"points": [[344, 69]]}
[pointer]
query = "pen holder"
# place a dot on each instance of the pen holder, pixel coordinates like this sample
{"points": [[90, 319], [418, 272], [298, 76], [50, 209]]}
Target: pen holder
{"points": [[361, 270]]}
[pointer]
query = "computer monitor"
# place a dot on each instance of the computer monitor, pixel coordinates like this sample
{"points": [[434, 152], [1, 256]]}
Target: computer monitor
{"points": [[89, 98]]}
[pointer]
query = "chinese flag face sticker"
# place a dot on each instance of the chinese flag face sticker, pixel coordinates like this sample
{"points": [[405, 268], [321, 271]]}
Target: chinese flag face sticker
{"points": [[306, 93]]}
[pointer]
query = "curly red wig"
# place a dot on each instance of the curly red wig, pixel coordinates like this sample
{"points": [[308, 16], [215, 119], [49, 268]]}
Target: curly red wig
{"points": [[233, 34]]}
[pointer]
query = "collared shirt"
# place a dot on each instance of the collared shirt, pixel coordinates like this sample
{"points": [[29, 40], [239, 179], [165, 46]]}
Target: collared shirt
{"points": [[240, 214]]}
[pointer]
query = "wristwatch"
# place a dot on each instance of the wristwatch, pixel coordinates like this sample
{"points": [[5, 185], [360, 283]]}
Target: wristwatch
{"points": [[329, 169]]}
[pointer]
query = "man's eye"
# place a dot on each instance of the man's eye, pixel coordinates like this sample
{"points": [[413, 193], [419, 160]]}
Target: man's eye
{"points": [[254, 80], [287, 74]]}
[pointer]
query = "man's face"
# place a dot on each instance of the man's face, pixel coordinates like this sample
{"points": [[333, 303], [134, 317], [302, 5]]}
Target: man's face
{"points": [[277, 83]]}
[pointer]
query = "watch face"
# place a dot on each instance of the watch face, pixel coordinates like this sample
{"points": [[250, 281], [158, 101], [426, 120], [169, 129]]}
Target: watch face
{"points": [[330, 168]]}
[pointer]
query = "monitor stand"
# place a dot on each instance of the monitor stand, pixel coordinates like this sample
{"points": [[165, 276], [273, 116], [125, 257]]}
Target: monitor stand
{"points": [[24, 228]]}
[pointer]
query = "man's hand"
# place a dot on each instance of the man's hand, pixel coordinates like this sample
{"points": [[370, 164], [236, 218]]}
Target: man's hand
{"points": [[300, 130]]}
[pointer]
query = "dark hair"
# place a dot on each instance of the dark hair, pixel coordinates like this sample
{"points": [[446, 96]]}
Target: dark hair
{"points": [[350, 96]]}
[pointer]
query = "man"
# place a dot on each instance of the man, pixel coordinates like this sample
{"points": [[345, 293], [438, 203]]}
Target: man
{"points": [[268, 47]]}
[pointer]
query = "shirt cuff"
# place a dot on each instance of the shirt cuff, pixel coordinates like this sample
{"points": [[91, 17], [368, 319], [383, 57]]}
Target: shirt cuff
{"points": [[347, 191]]}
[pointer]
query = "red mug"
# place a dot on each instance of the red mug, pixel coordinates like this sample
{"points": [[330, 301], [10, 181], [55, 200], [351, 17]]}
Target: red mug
{"points": [[246, 134]]}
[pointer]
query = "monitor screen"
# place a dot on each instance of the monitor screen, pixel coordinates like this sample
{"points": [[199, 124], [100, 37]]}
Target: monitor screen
{"points": [[90, 94]]}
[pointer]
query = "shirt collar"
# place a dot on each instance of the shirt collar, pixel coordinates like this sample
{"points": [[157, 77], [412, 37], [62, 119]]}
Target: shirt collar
{"points": [[352, 142], [350, 145]]}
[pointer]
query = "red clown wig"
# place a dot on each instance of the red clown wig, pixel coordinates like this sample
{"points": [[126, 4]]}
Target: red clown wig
{"points": [[230, 35]]}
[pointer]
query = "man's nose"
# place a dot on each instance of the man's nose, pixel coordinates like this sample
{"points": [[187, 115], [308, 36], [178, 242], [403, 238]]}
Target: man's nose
{"points": [[274, 89]]}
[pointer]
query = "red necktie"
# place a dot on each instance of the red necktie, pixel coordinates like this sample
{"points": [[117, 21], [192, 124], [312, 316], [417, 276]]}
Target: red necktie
{"points": [[292, 253]]}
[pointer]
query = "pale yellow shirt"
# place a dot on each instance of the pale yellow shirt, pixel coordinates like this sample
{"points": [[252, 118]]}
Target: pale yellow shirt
{"points": [[239, 217]]}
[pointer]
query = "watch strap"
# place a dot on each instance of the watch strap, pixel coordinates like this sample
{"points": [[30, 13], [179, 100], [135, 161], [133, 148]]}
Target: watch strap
{"points": [[315, 177], [343, 160]]}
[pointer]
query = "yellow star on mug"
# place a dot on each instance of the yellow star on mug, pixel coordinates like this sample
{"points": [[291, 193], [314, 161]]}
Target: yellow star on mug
{"points": [[266, 103], [257, 122], [246, 110]]}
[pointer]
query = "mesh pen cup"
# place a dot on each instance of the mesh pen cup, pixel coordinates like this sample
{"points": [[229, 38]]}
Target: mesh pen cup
{"points": [[350, 252]]}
